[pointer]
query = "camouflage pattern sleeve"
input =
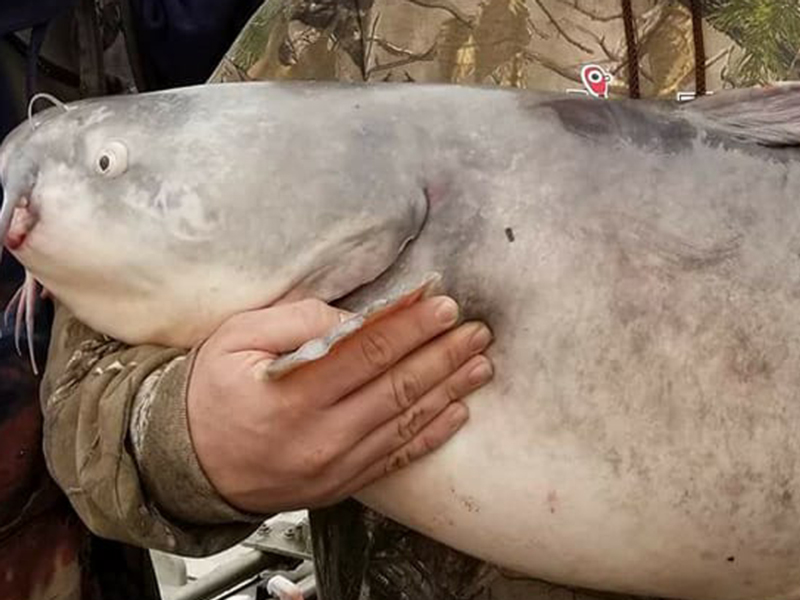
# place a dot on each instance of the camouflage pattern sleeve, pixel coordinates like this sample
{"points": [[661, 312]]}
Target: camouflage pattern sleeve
{"points": [[117, 442], [539, 44]]}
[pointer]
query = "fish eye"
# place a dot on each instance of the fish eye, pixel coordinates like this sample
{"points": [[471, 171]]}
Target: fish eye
{"points": [[112, 160]]}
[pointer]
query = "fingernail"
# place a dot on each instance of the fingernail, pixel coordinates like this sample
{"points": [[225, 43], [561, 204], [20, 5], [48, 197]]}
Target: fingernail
{"points": [[481, 373], [480, 339], [447, 311]]}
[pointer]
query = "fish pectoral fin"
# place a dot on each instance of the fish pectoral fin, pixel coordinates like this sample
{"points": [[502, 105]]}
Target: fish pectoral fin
{"points": [[320, 347], [767, 115]]}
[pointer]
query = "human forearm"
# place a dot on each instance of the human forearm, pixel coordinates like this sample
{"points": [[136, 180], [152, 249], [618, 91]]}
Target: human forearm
{"points": [[116, 440]]}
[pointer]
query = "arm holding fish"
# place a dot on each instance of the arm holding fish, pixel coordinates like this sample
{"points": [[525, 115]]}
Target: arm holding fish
{"points": [[107, 408], [189, 452]]}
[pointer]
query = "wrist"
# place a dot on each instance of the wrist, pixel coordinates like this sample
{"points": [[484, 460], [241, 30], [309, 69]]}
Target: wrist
{"points": [[172, 471]]}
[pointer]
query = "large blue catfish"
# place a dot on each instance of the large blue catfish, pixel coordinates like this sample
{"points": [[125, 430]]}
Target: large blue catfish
{"points": [[638, 262]]}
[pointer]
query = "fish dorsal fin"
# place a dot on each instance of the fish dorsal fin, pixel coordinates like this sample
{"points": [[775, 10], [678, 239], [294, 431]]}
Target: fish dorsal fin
{"points": [[768, 115]]}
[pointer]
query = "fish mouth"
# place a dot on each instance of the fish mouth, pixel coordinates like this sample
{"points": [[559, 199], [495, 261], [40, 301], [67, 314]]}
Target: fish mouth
{"points": [[17, 182], [23, 220]]}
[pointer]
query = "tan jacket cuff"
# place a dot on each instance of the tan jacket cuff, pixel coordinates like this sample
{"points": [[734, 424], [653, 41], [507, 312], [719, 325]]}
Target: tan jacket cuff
{"points": [[122, 487], [171, 472]]}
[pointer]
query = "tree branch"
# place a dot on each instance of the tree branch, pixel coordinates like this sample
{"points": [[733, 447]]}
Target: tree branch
{"points": [[446, 6], [409, 57], [588, 13], [560, 29], [564, 71]]}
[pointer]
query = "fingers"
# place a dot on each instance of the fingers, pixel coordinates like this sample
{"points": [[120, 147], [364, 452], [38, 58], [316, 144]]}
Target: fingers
{"points": [[281, 328], [439, 431], [399, 389], [419, 430], [372, 351]]}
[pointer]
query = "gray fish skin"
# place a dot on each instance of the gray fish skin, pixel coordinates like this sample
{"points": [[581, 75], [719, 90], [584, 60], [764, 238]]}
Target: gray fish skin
{"points": [[638, 264]]}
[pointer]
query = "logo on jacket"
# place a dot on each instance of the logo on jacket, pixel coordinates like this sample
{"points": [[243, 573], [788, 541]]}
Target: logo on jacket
{"points": [[595, 81]]}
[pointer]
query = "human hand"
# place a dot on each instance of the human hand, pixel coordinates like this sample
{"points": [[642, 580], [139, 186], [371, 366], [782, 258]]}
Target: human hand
{"points": [[386, 396]]}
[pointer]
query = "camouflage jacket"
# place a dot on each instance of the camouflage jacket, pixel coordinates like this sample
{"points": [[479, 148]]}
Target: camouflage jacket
{"points": [[649, 48], [114, 426]]}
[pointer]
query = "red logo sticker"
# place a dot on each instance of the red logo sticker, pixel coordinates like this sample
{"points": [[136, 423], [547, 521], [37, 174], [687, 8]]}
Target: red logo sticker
{"points": [[595, 80]]}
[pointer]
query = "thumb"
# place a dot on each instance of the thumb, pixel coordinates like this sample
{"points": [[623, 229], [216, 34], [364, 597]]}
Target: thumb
{"points": [[282, 328]]}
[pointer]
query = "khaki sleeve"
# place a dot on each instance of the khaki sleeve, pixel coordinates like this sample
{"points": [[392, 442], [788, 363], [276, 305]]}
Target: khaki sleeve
{"points": [[117, 441]]}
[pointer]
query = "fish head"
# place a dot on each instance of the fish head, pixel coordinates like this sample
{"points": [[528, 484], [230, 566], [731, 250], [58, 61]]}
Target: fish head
{"points": [[72, 176], [111, 203]]}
